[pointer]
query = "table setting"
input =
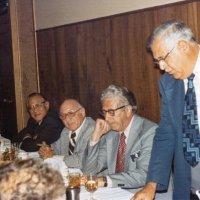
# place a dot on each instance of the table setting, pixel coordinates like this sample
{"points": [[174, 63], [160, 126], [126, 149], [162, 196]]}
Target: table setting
{"points": [[72, 177]]}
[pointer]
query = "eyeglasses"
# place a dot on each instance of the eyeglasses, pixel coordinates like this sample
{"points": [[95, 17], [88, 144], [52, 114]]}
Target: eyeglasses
{"points": [[36, 106], [111, 112], [163, 59], [70, 114]]}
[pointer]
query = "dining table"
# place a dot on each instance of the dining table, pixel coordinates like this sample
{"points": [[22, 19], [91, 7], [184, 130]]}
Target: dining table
{"points": [[103, 193]]}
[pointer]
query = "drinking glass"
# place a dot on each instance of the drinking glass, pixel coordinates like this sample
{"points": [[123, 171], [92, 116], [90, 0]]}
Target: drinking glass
{"points": [[74, 179], [91, 185]]}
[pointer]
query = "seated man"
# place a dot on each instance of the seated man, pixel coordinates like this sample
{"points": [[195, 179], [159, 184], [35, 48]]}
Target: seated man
{"points": [[120, 146], [74, 137], [30, 179], [44, 124]]}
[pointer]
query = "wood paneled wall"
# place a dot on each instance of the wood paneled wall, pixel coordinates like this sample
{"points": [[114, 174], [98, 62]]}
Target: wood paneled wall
{"points": [[80, 60]]}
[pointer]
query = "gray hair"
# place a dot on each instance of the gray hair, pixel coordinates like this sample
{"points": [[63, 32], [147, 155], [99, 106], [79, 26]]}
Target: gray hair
{"points": [[171, 31], [126, 96], [30, 179]]}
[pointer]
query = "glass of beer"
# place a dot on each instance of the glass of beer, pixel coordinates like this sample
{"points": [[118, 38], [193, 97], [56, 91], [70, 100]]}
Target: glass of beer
{"points": [[74, 179], [91, 185]]}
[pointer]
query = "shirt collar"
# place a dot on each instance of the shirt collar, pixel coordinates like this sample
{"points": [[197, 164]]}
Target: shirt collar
{"points": [[127, 130], [78, 129], [196, 70]]}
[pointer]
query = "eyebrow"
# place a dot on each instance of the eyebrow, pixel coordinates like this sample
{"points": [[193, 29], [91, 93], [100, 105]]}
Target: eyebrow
{"points": [[72, 110]]}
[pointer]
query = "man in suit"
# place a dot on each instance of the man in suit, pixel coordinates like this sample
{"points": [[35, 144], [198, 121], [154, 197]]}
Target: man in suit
{"points": [[67, 148], [174, 48], [43, 125], [120, 147]]}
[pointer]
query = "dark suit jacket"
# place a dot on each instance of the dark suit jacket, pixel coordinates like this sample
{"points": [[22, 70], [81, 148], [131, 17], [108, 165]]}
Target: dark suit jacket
{"points": [[168, 141], [49, 131]]}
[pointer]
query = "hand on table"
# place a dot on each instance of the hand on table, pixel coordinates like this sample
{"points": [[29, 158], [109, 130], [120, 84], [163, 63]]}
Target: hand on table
{"points": [[101, 181], [45, 151], [147, 193]]}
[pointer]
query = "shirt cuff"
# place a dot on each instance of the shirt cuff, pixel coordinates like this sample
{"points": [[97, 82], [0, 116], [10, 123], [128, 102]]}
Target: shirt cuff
{"points": [[109, 181], [58, 157], [92, 143]]}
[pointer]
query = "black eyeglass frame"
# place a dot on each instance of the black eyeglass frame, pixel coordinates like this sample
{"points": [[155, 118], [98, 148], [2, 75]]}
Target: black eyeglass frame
{"points": [[70, 114], [111, 112]]}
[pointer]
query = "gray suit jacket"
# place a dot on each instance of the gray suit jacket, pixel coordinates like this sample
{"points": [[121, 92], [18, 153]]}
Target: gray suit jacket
{"points": [[61, 146], [101, 158]]}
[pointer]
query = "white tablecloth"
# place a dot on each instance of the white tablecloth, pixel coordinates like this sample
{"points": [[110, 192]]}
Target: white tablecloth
{"points": [[106, 194], [101, 193], [5, 143]]}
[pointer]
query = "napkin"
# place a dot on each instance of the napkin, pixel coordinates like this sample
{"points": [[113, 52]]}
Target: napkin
{"points": [[56, 164]]}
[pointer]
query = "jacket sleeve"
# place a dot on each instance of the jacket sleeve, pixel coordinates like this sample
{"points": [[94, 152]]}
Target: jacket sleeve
{"points": [[49, 131], [163, 148], [94, 160], [75, 160]]}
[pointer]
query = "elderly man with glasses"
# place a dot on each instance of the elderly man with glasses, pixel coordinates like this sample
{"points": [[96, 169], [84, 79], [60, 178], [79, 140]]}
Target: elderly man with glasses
{"points": [[177, 138], [74, 137], [43, 125], [120, 147]]}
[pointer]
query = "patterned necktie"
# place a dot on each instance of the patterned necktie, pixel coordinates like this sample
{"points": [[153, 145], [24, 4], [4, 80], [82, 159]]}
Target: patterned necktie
{"points": [[72, 143], [121, 154], [191, 137]]}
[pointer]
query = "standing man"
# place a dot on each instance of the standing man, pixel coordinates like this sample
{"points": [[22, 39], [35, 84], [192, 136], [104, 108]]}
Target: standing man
{"points": [[43, 125], [120, 147], [177, 138], [74, 137]]}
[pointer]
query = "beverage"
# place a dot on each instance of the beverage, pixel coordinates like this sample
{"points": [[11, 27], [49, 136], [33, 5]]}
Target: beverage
{"points": [[91, 185], [74, 180], [9, 154]]}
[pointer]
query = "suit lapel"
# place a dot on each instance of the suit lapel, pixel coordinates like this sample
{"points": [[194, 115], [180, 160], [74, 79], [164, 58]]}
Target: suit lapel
{"points": [[175, 95], [112, 150], [83, 130], [133, 137]]}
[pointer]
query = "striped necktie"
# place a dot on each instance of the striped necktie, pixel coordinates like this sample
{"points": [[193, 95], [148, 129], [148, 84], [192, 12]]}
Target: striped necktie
{"points": [[191, 137], [121, 154], [72, 143]]}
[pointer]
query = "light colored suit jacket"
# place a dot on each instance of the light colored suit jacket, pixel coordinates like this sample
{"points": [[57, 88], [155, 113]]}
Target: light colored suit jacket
{"points": [[61, 146], [101, 158]]}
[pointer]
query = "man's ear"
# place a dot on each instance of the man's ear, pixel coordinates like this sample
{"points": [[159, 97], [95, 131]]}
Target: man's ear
{"points": [[183, 46], [129, 109], [83, 112], [47, 105]]}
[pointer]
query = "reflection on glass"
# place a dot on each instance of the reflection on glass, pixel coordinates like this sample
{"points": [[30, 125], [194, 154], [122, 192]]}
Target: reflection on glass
{"points": [[91, 185]]}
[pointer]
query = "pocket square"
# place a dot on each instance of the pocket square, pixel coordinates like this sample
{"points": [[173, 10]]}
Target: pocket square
{"points": [[135, 155]]}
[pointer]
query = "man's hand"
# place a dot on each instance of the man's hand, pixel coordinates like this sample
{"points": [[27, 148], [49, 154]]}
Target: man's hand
{"points": [[102, 181], [101, 128], [45, 151], [147, 193]]}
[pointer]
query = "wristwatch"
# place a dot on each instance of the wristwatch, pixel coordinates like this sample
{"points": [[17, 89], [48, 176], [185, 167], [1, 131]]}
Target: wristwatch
{"points": [[105, 181]]}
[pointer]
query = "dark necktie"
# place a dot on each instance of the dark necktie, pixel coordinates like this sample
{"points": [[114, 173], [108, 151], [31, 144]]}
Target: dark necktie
{"points": [[72, 143], [121, 154], [191, 137]]}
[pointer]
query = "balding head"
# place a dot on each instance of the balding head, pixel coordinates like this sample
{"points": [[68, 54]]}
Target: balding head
{"points": [[72, 114]]}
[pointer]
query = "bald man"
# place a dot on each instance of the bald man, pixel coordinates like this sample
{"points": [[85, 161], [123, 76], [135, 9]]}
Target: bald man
{"points": [[74, 137]]}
